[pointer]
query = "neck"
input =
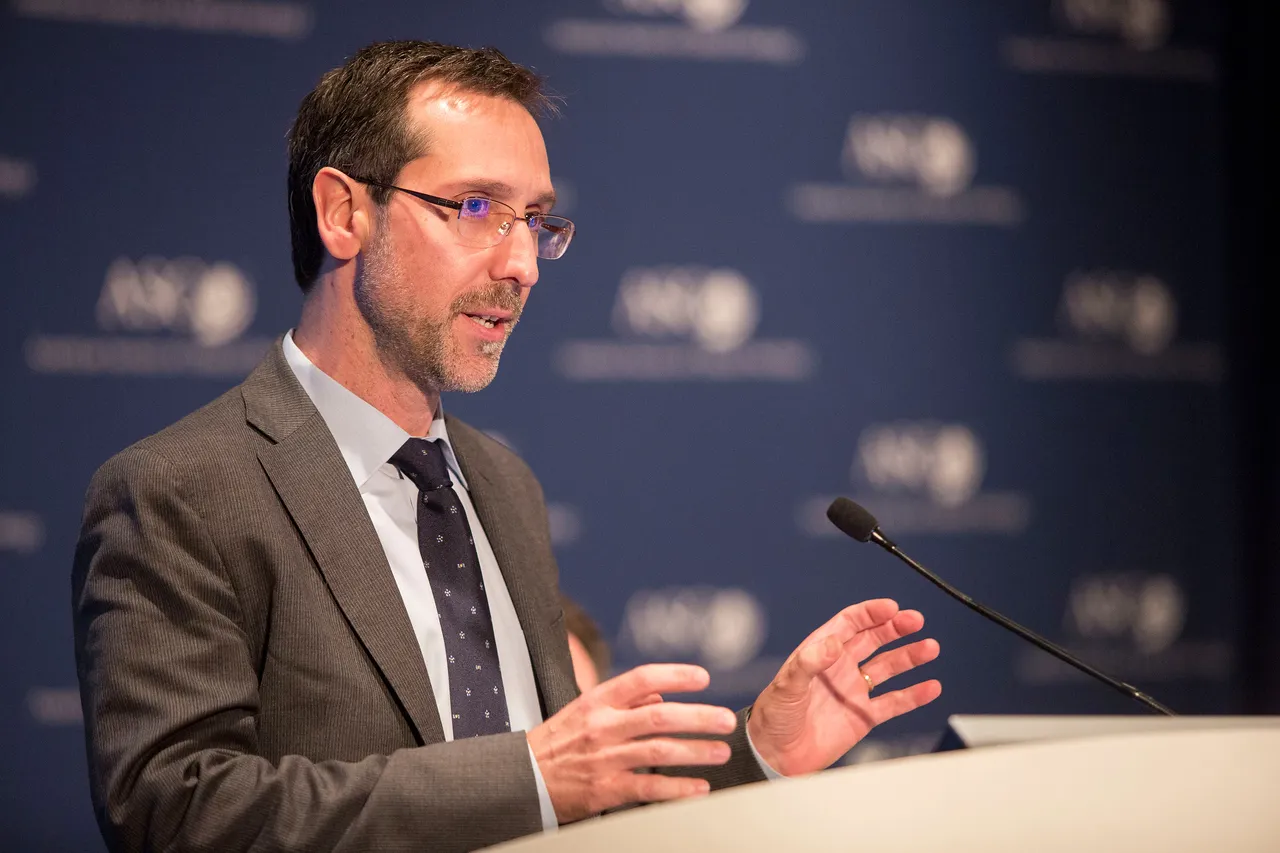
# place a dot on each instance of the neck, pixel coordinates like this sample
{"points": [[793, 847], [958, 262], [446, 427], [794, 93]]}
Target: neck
{"points": [[336, 338]]}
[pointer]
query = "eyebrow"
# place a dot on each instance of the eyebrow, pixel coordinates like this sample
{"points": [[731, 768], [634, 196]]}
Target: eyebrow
{"points": [[500, 190]]}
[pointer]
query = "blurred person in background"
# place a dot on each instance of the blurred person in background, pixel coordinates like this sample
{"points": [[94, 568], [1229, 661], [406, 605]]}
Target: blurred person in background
{"points": [[587, 647], [322, 614]]}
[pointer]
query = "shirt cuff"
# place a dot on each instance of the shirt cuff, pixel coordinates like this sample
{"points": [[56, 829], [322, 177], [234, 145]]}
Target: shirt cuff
{"points": [[549, 822], [769, 773]]}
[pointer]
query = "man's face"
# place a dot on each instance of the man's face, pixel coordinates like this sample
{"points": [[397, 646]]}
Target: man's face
{"points": [[418, 287]]}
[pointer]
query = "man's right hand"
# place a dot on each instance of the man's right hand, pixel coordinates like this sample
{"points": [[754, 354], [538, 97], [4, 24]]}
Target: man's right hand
{"points": [[588, 752]]}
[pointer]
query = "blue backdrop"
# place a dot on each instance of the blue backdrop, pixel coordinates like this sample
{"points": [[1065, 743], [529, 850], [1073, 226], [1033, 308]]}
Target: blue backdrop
{"points": [[961, 261]]}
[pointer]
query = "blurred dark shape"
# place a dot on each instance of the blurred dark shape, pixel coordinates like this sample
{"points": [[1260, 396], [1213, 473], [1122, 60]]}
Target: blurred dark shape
{"points": [[590, 651]]}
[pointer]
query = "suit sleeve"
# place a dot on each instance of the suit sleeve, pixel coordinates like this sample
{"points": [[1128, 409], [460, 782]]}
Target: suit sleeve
{"points": [[742, 767], [170, 696]]}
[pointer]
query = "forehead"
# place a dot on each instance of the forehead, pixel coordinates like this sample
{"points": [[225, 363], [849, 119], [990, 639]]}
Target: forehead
{"points": [[476, 137]]}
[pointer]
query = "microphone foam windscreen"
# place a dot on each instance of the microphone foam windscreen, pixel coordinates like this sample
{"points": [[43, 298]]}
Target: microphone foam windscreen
{"points": [[852, 519]]}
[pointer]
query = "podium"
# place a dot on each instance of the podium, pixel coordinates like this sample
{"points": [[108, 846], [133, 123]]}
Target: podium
{"points": [[1185, 786], [971, 730]]}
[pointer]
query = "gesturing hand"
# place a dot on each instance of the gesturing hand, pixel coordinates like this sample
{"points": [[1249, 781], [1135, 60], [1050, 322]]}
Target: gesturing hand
{"points": [[819, 705], [588, 751]]}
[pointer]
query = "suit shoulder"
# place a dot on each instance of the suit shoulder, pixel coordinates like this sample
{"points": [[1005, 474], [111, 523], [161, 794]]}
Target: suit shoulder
{"points": [[207, 436], [502, 457]]}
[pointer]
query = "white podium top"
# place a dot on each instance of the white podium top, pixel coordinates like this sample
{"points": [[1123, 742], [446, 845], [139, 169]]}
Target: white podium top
{"points": [[995, 729], [1169, 791]]}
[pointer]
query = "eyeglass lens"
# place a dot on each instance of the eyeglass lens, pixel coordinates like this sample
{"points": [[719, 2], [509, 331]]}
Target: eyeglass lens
{"points": [[484, 222]]}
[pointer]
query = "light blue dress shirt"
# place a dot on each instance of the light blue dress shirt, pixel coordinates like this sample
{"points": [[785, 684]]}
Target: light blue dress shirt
{"points": [[367, 439]]}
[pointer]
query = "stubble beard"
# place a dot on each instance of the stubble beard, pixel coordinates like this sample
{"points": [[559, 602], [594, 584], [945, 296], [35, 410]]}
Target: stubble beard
{"points": [[423, 348]]}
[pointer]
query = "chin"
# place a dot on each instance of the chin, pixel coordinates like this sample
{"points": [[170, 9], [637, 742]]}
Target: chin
{"points": [[473, 377]]}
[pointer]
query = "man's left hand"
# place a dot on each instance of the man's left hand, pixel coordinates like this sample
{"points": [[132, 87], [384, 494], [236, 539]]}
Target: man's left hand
{"points": [[819, 705]]}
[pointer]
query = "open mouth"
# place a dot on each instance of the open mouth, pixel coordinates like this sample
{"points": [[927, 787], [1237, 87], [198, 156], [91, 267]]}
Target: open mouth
{"points": [[495, 323], [488, 321]]}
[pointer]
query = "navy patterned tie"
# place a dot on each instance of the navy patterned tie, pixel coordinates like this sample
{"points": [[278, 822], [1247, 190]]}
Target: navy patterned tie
{"points": [[479, 704]]}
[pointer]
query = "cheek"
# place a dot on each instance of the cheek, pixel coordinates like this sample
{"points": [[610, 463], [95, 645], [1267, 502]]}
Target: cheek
{"points": [[429, 281], [435, 275]]}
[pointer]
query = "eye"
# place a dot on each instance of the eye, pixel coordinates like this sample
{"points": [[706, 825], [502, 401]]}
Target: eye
{"points": [[474, 208], [535, 222]]}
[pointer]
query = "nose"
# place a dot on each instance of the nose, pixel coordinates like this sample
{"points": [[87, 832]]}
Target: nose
{"points": [[517, 256]]}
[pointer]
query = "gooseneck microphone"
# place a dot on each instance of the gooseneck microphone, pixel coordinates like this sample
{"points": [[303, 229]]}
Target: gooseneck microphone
{"points": [[855, 521]]}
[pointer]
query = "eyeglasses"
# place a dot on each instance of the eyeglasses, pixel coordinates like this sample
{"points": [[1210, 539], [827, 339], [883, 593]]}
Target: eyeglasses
{"points": [[484, 222]]}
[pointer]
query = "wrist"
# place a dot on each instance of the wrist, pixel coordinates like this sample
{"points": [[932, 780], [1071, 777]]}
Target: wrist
{"points": [[760, 744]]}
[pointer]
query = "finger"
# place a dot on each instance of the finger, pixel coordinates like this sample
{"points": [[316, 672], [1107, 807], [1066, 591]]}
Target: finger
{"points": [[667, 752], [856, 618], [651, 699], [865, 643], [903, 701], [656, 788], [660, 718], [903, 624], [813, 657], [886, 665], [627, 689]]}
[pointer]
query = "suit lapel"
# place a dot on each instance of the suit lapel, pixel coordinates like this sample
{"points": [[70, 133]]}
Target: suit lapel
{"points": [[308, 473], [530, 574]]}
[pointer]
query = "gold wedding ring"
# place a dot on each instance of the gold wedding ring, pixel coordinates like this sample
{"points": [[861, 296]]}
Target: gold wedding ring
{"points": [[870, 684]]}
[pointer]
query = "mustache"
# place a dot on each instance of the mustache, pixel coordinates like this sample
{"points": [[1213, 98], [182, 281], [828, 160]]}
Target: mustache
{"points": [[497, 295]]}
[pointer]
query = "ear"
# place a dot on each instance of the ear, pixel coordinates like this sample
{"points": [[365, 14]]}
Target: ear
{"points": [[342, 212]]}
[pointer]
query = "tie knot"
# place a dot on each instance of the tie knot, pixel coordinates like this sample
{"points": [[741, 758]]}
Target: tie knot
{"points": [[422, 461]]}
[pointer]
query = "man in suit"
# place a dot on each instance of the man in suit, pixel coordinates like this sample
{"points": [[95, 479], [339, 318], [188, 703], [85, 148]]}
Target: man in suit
{"points": [[319, 614]]}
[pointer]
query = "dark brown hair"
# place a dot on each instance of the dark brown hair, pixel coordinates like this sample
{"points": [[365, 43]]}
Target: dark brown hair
{"points": [[355, 120]]}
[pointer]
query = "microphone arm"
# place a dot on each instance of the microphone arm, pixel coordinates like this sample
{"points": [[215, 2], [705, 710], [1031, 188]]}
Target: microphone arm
{"points": [[1030, 636]]}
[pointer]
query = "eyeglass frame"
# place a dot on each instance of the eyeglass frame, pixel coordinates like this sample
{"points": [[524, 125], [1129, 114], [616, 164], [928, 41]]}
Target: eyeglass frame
{"points": [[457, 205]]}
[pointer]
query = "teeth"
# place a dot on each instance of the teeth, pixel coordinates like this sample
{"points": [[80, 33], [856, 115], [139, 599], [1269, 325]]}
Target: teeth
{"points": [[487, 322]]}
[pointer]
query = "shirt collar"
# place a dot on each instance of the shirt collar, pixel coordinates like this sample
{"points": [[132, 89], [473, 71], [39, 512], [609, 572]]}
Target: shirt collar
{"points": [[366, 438]]}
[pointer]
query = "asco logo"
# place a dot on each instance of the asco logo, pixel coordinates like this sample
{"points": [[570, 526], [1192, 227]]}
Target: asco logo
{"points": [[715, 308], [679, 323], [943, 461], [1116, 324], [933, 153], [705, 15], [213, 303], [923, 477], [161, 317]]}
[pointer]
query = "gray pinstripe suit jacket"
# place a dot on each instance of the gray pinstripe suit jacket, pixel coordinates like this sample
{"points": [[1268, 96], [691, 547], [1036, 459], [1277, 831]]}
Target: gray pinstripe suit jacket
{"points": [[249, 675]]}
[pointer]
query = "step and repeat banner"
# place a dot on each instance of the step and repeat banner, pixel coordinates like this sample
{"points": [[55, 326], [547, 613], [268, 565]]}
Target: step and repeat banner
{"points": [[961, 261]]}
